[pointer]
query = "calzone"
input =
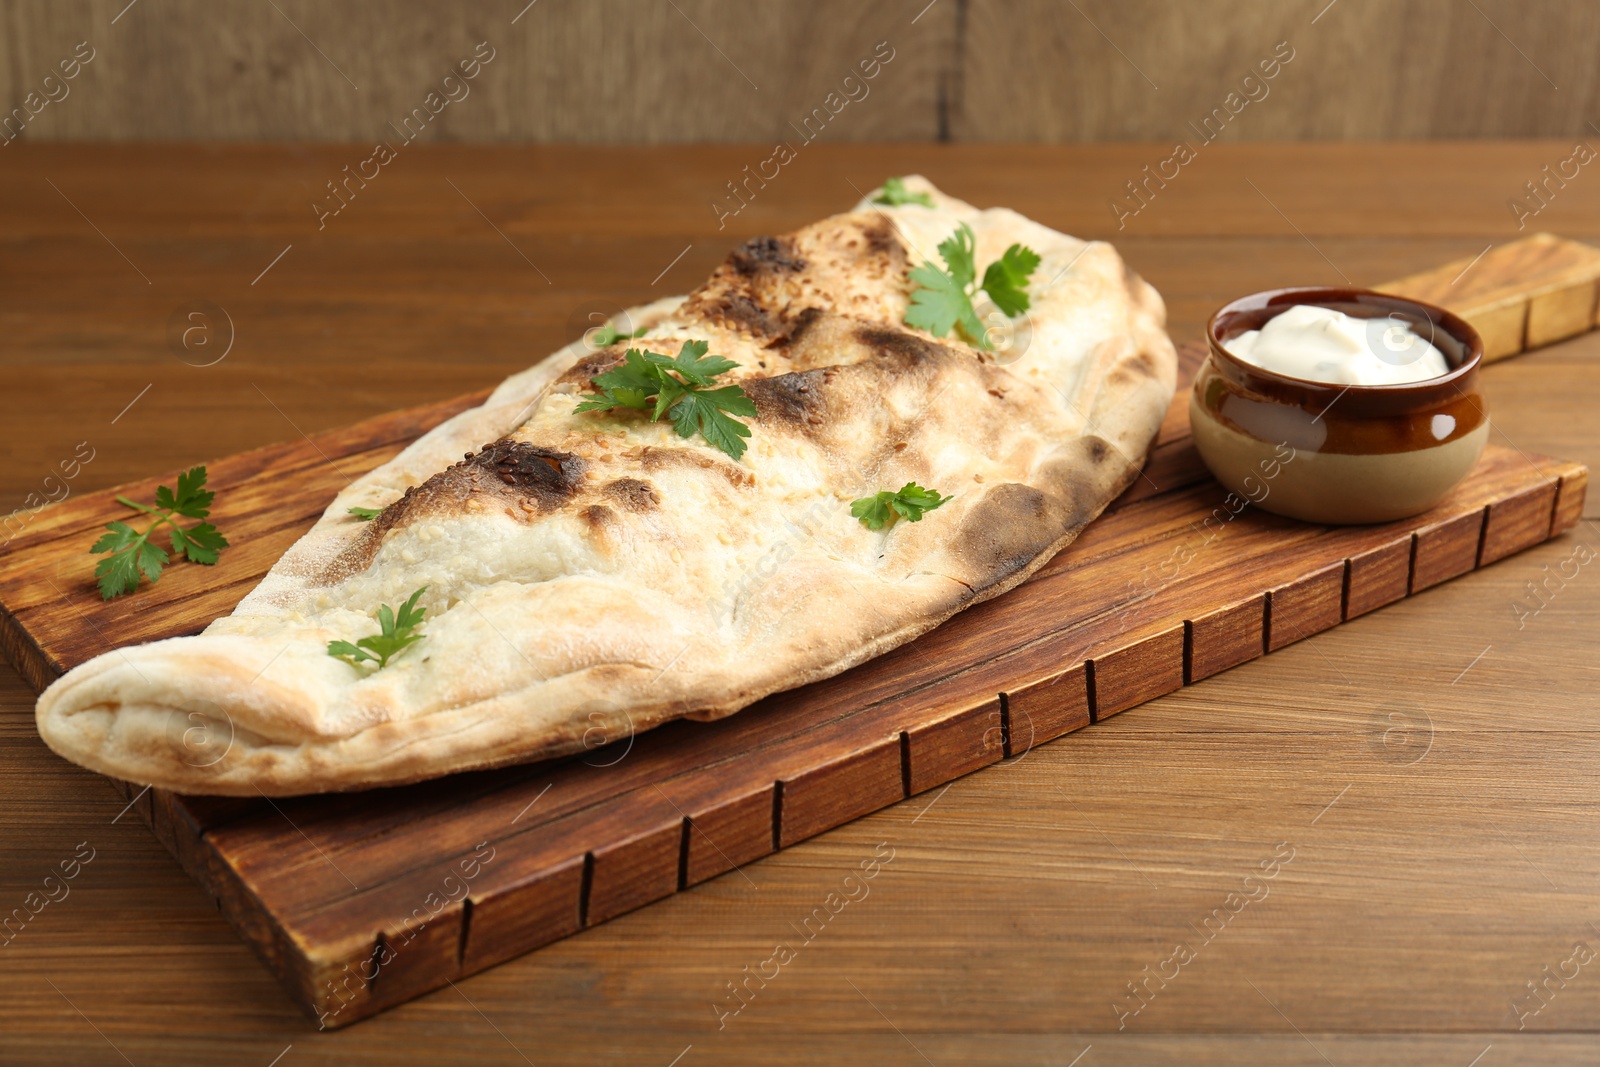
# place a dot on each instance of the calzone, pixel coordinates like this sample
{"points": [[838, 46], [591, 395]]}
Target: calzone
{"points": [[593, 574]]}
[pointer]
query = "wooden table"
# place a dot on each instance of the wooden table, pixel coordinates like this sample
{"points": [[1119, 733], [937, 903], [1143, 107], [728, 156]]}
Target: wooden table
{"points": [[1428, 767]]}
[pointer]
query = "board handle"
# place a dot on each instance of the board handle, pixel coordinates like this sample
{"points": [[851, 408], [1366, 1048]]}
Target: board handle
{"points": [[1519, 296]]}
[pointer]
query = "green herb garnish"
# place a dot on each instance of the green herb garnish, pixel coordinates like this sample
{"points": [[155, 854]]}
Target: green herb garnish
{"points": [[610, 335], [364, 514], [942, 299], [396, 636], [895, 193], [910, 503], [132, 553], [679, 387], [1006, 276]]}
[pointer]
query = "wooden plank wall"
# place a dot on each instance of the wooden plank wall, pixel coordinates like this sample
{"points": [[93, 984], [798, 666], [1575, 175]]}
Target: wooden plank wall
{"points": [[645, 71]]}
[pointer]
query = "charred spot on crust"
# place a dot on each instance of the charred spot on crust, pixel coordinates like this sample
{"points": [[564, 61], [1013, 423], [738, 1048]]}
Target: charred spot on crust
{"points": [[1012, 524], [357, 555], [594, 363], [1131, 372], [795, 399], [1140, 368], [597, 516], [897, 344], [1007, 530], [501, 473], [746, 293], [880, 236], [549, 478], [633, 494], [802, 324], [737, 310], [764, 255]]}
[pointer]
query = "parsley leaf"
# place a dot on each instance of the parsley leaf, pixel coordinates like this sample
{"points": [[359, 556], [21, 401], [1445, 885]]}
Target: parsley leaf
{"points": [[680, 388], [692, 363], [959, 252], [1006, 276], [895, 193], [364, 514], [192, 500], [199, 544], [939, 303], [910, 503], [132, 554], [873, 511], [608, 335], [629, 384], [942, 299], [395, 635], [706, 411]]}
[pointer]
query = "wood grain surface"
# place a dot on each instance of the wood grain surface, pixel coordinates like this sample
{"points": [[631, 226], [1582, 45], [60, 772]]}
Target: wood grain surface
{"points": [[360, 902], [1430, 764], [1526, 294], [723, 70]]}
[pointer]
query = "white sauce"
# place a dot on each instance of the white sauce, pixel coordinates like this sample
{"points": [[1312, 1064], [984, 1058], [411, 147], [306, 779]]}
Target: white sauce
{"points": [[1323, 345]]}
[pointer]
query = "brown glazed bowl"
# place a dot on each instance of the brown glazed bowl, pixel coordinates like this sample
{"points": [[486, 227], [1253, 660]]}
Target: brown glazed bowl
{"points": [[1331, 453]]}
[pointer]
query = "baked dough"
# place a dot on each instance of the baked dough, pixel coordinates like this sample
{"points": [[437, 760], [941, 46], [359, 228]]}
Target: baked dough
{"points": [[592, 575]]}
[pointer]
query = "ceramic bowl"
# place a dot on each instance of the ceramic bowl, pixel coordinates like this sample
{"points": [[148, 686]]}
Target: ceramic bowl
{"points": [[1331, 453]]}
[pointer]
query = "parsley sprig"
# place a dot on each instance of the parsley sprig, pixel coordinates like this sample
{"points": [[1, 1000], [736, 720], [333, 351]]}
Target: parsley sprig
{"points": [[364, 514], [910, 503], [395, 637], [894, 193], [132, 554], [942, 299], [681, 388]]}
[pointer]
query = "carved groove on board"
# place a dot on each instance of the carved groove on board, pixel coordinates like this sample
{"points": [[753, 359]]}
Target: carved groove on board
{"points": [[777, 815], [1483, 534], [1088, 682], [1411, 568], [585, 889], [1188, 651], [380, 946], [1569, 500], [905, 763], [466, 929], [683, 855]]}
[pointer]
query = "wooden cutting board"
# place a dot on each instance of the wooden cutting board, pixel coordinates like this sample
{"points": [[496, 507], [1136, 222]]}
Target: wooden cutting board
{"points": [[362, 901]]}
